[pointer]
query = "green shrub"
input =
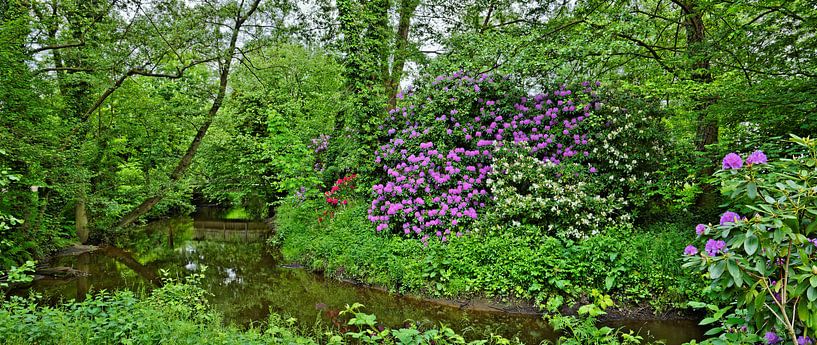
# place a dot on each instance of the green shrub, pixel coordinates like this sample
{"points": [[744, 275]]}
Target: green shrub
{"points": [[631, 264], [765, 262]]}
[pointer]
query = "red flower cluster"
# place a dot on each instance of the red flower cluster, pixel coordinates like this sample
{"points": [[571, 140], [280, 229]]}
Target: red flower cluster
{"points": [[340, 184], [334, 195]]}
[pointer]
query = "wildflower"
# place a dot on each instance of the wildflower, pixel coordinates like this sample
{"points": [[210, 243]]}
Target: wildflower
{"points": [[690, 250], [757, 157], [772, 338], [804, 340], [714, 247], [699, 229], [729, 217], [732, 161]]}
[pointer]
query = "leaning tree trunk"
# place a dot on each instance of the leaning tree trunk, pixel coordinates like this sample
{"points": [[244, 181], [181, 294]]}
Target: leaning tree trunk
{"points": [[187, 159]]}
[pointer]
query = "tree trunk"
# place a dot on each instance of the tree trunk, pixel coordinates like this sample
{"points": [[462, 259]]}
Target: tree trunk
{"points": [[187, 159], [707, 129], [407, 8], [707, 126], [81, 219]]}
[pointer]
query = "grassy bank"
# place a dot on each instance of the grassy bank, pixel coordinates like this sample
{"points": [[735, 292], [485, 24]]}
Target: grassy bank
{"points": [[635, 266], [179, 314]]}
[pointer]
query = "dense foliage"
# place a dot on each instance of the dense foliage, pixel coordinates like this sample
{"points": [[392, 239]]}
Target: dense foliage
{"points": [[446, 148], [766, 259], [630, 264]]}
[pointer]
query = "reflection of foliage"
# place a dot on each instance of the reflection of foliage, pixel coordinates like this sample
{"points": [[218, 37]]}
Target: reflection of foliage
{"points": [[178, 314]]}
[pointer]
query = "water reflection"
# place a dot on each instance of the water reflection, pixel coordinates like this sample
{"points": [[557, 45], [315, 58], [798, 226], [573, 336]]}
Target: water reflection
{"points": [[247, 283]]}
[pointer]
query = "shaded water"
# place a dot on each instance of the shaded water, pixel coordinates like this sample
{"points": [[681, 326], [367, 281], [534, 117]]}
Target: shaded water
{"points": [[247, 284]]}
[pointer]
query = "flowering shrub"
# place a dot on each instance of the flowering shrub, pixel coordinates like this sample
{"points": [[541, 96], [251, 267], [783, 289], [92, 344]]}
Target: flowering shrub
{"points": [[319, 145], [766, 256], [338, 195], [552, 196], [442, 144], [630, 149]]}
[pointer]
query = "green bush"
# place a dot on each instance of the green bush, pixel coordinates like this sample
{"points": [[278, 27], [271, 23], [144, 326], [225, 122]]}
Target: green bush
{"points": [[765, 262], [631, 264]]}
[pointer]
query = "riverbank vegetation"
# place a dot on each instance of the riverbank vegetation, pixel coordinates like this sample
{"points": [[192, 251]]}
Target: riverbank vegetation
{"points": [[178, 313], [546, 154]]}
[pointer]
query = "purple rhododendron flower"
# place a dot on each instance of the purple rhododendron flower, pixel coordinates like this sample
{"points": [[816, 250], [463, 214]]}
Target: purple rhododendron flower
{"points": [[729, 217], [803, 340], [700, 229], [690, 250], [813, 241], [714, 247], [757, 157], [732, 161], [772, 338]]}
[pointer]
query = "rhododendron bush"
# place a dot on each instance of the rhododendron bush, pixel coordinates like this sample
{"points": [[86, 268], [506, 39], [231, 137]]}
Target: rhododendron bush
{"points": [[443, 141], [763, 252]]}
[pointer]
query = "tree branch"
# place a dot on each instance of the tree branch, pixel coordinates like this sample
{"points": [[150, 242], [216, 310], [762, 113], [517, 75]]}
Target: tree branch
{"points": [[58, 46]]}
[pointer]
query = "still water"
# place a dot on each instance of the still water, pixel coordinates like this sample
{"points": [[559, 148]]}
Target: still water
{"points": [[247, 283]]}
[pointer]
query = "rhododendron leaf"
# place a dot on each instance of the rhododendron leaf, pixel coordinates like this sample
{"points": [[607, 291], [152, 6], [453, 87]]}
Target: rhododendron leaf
{"points": [[760, 267], [716, 270], [751, 244], [751, 190], [792, 223], [734, 271], [802, 310], [811, 227], [769, 199]]}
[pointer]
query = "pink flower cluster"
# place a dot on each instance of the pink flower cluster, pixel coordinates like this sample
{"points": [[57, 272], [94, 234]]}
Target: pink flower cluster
{"points": [[439, 149]]}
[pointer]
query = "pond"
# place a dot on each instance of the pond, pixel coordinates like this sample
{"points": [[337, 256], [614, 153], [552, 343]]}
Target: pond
{"points": [[247, 283]]}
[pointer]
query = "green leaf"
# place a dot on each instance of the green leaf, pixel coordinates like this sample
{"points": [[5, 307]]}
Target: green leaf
{"points": [[714, 331], [811, 293], [751, 190], [608, 282], [734, 271], [812, 227], [716, 270], [751, 244]]}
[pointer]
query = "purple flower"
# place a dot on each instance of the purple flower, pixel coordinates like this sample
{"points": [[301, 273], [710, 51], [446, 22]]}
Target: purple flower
{"points": [[757, 157], [732, 161], [803, 340], [714, 247], [813, 241], [772, 338], [700, 229], [729, 217], [690, 250]]}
